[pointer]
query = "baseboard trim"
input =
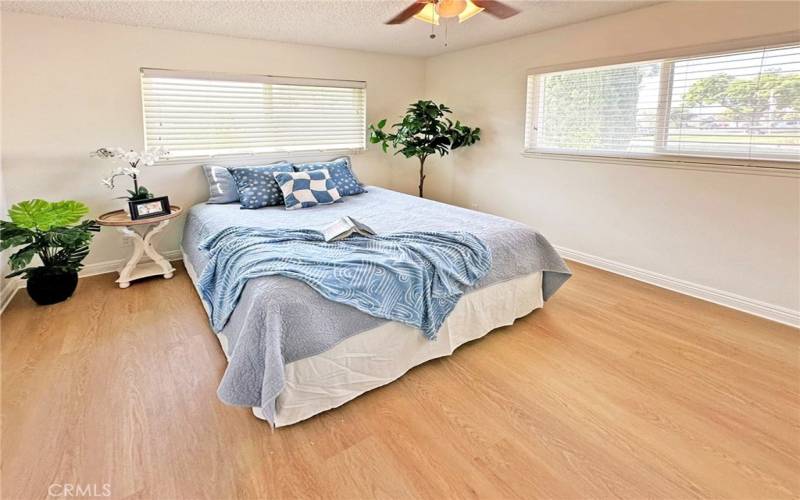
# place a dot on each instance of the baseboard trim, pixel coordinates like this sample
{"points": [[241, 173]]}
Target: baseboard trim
{"points": [[755, 307], [8, 292], [109, 266], [762, 309]]}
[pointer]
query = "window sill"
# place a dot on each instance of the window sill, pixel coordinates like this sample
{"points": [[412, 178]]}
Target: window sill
{"points": [[764, 168], [239, 158]]}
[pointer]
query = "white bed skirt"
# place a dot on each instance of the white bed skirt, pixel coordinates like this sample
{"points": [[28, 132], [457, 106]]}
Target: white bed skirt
{"points": [[381, 355]]}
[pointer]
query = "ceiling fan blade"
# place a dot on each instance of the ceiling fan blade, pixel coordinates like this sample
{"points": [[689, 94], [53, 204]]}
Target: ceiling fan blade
{"points": [[495, 8], [409, 12]]}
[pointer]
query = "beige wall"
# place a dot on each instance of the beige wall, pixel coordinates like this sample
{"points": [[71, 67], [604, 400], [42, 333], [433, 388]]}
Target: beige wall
{"points": [[69, 87], [736, 233], [4, 267]]}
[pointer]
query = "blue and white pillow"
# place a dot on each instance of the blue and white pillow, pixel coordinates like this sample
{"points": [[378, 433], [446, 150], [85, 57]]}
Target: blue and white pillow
{"points": [[306, 189], [341, 173], [256, 185]]}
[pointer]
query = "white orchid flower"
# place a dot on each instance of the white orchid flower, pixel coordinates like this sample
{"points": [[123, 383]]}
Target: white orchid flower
{"points": [[148, 159], [149, 156], [158, 152], [102, 153], [131, 157]]}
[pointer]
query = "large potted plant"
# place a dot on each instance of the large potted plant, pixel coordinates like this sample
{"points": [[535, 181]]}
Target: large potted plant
{"points": [[55, 233], [424, 131]]}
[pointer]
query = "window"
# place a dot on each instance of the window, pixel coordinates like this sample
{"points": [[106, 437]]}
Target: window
{"points": [[742, 105], [205, 115]]}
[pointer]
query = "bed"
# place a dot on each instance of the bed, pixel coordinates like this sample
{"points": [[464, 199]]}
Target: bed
{"points": [[293, 354]]}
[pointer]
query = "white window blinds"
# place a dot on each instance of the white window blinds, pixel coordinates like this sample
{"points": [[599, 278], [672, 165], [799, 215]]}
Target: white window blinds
{"points": [[741, 105], [206, 115]]}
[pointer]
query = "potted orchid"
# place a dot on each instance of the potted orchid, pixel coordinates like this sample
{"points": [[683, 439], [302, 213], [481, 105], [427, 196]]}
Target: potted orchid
{"points": [[134, 160]]}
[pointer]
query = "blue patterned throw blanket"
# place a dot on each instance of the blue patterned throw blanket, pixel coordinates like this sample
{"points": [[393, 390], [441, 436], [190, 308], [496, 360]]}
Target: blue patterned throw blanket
{"points": [[412, 277]]}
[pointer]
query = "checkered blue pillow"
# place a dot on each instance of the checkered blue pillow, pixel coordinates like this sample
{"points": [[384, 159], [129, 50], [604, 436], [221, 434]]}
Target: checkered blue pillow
{"points": [[341, 174], [306, 189], [256, 185]]}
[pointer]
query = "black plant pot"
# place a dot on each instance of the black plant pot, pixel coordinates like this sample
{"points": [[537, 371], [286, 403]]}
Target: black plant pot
{"points": [[49, 286]]}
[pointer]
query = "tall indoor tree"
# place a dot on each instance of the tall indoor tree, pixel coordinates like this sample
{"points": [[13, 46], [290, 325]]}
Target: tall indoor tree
{"points": [[424, 131]]}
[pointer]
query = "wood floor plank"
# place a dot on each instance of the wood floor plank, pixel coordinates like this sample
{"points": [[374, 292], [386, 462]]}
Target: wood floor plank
{"points": [[615, 389]]}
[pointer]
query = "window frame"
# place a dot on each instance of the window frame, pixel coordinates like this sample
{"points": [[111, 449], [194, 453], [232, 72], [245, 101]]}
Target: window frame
{"points": [[662, 157], [249, 156]]}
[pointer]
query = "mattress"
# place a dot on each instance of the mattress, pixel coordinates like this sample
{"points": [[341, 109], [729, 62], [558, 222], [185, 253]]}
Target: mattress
{"points": [[279, 321], [383, 354]]}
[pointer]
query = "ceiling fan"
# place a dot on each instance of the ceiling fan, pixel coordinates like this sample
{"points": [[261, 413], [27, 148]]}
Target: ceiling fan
{"points": [[463, 9]]}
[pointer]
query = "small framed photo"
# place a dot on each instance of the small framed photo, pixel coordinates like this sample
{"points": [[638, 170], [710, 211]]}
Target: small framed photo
{"points": [[153, 207]]}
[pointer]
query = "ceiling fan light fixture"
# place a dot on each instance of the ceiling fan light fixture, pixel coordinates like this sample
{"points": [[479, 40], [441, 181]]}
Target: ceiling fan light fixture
{"points": [[428, 15], [450, 8], [429, 11], [470, 10]]}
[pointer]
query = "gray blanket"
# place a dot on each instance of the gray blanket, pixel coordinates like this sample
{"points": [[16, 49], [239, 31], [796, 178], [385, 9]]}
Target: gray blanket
{"points": [[280, 320]]}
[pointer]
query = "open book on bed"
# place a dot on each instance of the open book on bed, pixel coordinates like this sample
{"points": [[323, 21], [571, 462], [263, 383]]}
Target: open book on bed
{"points": [[344, 227]]}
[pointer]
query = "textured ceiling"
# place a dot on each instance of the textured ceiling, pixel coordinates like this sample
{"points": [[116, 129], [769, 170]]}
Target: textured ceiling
{"points": [[351, 24]]}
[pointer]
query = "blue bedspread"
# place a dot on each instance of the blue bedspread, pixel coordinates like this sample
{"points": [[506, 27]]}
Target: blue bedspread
{"points": [[412, 277]]}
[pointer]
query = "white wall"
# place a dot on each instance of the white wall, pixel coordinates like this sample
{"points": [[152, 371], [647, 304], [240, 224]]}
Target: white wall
{"points": [[69, 87], [736, 233], [5, 291]]}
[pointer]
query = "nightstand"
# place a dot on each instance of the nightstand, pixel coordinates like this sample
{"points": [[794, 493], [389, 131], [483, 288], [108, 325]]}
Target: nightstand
{"points": [[142, 232]]}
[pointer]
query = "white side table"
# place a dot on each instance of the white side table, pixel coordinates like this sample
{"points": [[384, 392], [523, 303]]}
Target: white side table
{"points": [[142, 232]]}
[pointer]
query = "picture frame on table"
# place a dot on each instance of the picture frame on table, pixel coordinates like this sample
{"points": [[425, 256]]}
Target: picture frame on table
{"points": [[151, 207]]}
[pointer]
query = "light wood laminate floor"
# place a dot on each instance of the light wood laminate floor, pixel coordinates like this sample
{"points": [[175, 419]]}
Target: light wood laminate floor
{"points": [[615, 389]]}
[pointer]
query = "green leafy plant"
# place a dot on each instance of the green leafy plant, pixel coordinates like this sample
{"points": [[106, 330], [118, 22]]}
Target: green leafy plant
{"points": [[140, 193], [424, 131], [52, 231]]}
